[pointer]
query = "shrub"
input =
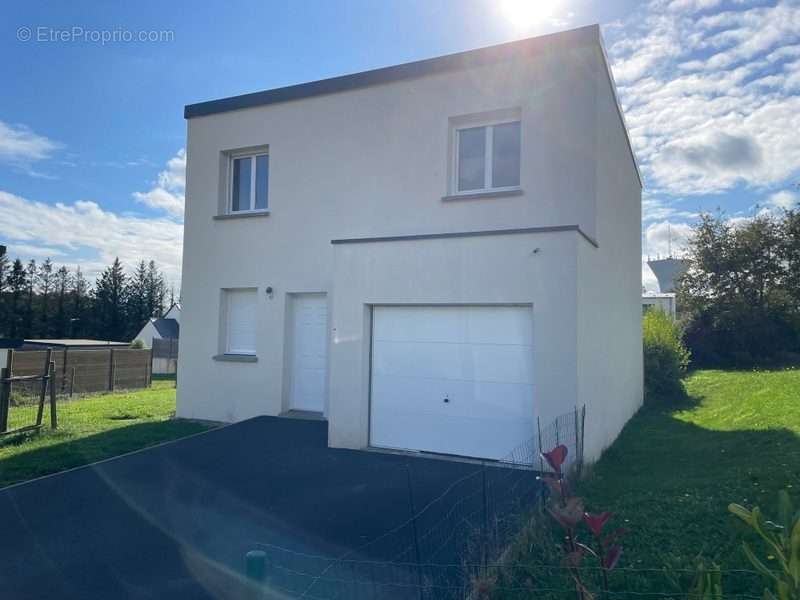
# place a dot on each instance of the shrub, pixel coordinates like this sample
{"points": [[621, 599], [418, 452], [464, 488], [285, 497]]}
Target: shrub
{"points": [[665, 357], [137, 344], [740, 297], [781, 538]]}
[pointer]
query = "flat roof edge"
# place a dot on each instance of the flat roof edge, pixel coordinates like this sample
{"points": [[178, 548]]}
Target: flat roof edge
{"points": [[462, 234], [471, 58]]}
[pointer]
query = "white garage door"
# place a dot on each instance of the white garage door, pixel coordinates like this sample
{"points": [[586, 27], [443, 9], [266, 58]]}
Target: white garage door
{"points": [[452, 379]]}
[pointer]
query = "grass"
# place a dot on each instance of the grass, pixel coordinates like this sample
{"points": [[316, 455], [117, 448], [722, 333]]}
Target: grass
{"points": [[91, 429], [672, 473]]}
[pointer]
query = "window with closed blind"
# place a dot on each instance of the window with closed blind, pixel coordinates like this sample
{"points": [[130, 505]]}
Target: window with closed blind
{"points": [[240, 321]]}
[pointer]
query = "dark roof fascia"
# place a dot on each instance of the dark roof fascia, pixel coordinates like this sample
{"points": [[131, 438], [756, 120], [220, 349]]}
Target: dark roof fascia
{"points": [[580, 37]]}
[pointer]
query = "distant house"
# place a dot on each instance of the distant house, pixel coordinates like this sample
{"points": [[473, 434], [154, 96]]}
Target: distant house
{"points": [[5, 345], [667, 270], [657, 300], [162, 328]]}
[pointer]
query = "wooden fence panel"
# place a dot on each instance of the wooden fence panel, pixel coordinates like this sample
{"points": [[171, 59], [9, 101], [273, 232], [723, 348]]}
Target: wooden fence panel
{"points": [[166, 348], [165, 356], [32, 363], [131, 368], [91, 370], [87, 371]]}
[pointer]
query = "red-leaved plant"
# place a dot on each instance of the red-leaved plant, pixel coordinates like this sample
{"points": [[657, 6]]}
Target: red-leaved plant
{"points": [[568, 511]]}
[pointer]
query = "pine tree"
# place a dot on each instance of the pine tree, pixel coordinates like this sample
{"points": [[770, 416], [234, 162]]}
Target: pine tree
{"points": [[62, 283], [45, 281], [110, 300], [80, 301], [138, 305], [17, 281], [30, 282], [4, 315], [156, 291]]}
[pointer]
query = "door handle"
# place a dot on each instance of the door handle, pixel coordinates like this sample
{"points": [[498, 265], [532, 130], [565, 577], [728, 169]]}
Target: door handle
{"points": [[446, 400]]}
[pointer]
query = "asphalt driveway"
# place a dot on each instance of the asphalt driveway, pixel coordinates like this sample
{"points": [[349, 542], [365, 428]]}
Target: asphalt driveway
{"points": [[175, 521]]}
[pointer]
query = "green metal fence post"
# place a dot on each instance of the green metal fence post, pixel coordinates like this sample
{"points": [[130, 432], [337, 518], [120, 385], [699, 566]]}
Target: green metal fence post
{"points": [[255, 566], [5, 397], [52, 381]]}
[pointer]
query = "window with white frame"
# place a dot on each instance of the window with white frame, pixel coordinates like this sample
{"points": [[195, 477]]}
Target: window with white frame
{"points": [[487, 157], [249, 183], [239, 321]]}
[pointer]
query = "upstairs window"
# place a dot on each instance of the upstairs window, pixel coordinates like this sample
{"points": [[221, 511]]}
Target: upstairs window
{"points": [[487, 157], [249, 183]]}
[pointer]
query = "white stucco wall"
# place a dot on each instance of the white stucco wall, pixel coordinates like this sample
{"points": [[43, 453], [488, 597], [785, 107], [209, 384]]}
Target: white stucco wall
{"points": [[174, 313], [374, 162], [500, 269], [610, 368], [147, 334]]}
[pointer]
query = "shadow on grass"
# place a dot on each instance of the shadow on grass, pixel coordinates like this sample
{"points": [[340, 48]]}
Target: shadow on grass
{"points": [[75, 452], [670, 482]]}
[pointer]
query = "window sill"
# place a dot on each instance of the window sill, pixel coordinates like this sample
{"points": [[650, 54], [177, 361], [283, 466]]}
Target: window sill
{"points": [[244, 358], [244, 215], [484, 194]]}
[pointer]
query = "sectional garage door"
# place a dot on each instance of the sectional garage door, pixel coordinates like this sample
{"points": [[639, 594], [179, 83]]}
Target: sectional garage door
{"points": [[452, 379]]}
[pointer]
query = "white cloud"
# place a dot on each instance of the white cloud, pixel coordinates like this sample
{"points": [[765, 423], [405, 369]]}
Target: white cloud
{"points": [[783, 200], [21, 146], [657, 209], [692, 5], [711, 99], [666, 238], [73, 231], [168, 193], [31, 251]]}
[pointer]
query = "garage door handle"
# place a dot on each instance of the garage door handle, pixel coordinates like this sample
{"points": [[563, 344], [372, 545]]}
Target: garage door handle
{"points": [[446, 400]]}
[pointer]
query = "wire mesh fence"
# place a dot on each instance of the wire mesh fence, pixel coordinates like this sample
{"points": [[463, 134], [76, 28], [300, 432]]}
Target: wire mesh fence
{"points": [[356, 579], [24, 399], [32, 382], [467, 544], [447, 544], [518, 581], [28, 404]]}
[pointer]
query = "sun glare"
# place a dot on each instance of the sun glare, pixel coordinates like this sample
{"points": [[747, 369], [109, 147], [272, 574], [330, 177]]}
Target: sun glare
{"points": [[525, 13]]}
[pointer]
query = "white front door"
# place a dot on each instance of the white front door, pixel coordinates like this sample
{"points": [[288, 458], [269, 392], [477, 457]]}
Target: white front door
{"points": [[309, 348], [452, 379]]}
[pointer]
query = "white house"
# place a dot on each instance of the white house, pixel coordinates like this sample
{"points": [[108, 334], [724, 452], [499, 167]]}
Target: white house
{"points": [[430, 255], [657, 300], [667, 271], [162, 328]]}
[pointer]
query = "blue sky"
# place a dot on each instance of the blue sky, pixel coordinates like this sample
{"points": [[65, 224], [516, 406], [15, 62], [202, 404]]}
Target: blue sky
{"points": [[91, 133]]}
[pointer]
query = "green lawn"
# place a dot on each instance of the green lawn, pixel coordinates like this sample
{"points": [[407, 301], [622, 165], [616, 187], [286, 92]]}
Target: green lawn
{"points": [[672, 473], [93, 428]]}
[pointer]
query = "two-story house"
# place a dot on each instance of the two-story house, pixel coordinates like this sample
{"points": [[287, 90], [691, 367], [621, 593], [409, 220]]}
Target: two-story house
{"points": [[430, 256]]}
